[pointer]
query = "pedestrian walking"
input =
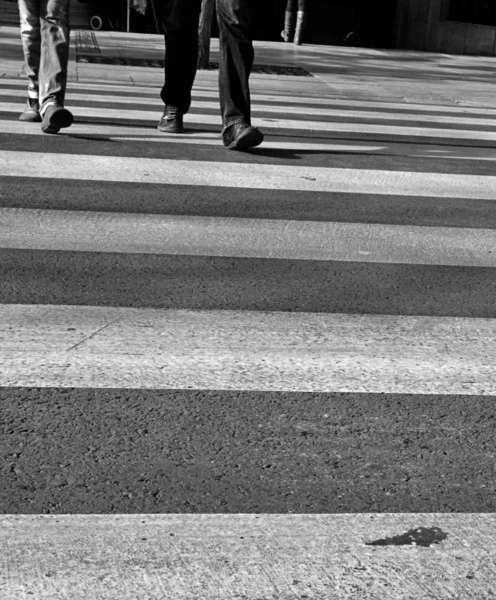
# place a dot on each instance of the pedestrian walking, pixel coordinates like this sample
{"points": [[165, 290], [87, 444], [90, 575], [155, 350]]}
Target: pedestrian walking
{"points": [[181, 21], [295, 19], [45, 41]]}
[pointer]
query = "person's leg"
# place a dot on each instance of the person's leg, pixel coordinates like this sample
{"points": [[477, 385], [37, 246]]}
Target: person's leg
{"points": [[287, 33], [54, 51], [53, 65], [181, 55], [236, 61], [301, 20], [29, 15]]}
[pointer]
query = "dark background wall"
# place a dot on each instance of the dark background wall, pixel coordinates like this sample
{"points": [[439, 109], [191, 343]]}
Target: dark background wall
{"points": [[329, 21], [481, 12]]}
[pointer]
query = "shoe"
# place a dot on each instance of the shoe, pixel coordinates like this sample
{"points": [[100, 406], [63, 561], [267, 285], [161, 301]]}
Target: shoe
{"points": [[56, 117], [31, 113], [171, 121], [241, 136]]}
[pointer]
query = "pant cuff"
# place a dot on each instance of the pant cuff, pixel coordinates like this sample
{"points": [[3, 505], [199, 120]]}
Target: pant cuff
{"points": [[230, 123], [46, 104]]}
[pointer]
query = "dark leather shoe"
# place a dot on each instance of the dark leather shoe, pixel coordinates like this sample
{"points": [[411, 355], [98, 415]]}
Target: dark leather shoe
{"points": [[31, 113], [56, 117], [171, 121], [241, 136]]}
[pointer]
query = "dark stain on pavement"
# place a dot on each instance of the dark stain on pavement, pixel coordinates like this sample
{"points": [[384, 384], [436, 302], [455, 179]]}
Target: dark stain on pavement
{"points": [[422, 536]]}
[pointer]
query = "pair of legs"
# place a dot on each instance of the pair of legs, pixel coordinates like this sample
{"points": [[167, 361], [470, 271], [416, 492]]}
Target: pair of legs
{"points": [[236, 59], [45, 42], [294, 21]]}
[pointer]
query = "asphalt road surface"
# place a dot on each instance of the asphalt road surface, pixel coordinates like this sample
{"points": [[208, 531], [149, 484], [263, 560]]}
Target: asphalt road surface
{"points": [[348, 265]]}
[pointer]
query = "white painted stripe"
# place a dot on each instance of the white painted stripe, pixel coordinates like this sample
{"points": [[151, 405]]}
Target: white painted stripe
{"points": [[202, 89], [394, 131], [43, 346], [242, 175], [121, 133], [220, 557], [459, 120], [86, 231]]}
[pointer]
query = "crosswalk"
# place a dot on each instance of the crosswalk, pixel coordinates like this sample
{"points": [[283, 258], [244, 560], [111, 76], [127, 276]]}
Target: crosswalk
{"points": [[306, 328]]}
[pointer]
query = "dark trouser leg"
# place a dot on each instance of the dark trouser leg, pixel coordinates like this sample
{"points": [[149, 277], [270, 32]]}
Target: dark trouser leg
{"points": [[181, 51], [236, 59], [54, 18], [29, 13]]}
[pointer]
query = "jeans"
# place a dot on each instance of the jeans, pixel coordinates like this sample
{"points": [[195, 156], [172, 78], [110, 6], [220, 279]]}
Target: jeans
{"points": [[296, 5], [45, 41], [236, 55]]}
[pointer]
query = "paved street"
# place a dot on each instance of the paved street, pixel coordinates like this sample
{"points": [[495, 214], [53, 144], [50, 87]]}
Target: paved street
{"points": [[294, 346]]}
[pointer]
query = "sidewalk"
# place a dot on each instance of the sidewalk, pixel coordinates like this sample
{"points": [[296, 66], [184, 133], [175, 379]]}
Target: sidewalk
{"points": [[338, 72]]}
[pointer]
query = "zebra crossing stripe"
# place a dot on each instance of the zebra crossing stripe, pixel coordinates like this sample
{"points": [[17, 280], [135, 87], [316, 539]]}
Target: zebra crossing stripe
{"points": [[220, 556], [460, 120], [87, 231], [208, 89], [242, 175], [203, 89], [292, 124], [98, 347], [119, 133]]}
